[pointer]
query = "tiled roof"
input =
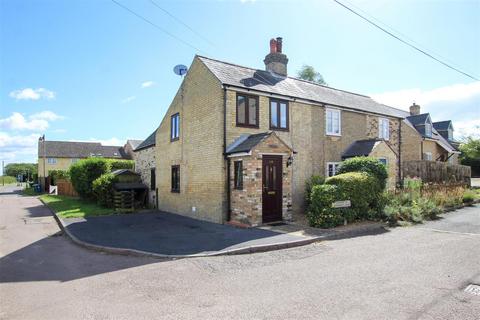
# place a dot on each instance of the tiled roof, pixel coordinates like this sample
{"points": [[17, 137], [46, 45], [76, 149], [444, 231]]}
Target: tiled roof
{"points": [[67, 149], [442, 125], [134, 143], [149, 142], [246, 143], [418, 119], [260, 80], [360, 148]]}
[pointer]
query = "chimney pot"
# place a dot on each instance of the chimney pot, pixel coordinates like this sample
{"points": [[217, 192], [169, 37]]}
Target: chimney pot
{"points": [[279, 44], [273, 46], [414, 109]]}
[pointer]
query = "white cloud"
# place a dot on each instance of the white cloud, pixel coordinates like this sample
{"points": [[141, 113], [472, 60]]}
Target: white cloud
{"points": [[147, 84], [459, 103], [35, 122], [129, 99], [32, 94], [18, 122], [46, 115], [18, 148]]}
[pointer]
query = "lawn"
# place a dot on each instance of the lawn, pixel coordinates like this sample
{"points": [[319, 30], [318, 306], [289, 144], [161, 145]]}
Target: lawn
{"points": [[7, 180], [68, 207], [29, 192]]}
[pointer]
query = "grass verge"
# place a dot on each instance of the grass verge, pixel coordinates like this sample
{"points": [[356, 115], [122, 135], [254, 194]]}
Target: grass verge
{"points": [[68, 207], [29, 192], [7, 180]]}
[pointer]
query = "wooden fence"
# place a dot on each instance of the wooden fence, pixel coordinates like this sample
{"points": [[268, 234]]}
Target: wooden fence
{"points": [[437, 172], [65, 188]]}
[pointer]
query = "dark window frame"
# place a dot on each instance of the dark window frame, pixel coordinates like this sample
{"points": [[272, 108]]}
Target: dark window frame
{"points": [[172, 137], [238, 184], [153, 179], [247, 110], [278, 127], [175, 185]]}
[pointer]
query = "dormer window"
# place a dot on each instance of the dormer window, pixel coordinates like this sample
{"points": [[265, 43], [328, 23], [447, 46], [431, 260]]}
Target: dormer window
{"points": [[450, 133], [428, 128]]}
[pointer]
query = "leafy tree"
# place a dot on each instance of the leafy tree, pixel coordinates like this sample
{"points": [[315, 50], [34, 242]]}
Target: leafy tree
{"points": [[310, 74], [470, 148], [14, 169]]}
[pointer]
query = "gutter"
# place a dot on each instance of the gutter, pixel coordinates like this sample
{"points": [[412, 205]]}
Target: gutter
{"points": [[229, 205]]}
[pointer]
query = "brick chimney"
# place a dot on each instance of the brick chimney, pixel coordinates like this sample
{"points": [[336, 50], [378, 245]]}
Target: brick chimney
{"points": [[414, 109], [276, 61]]}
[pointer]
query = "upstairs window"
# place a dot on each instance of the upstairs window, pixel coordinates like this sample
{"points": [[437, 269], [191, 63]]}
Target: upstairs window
{"points": [[428, 128], [74, 160], [152, 179], [176, 178], [175, 127], [427, 156], [332, 168], [450, 133], [238, 178], [51, 160], [383, 128], [247, 111], [278, 114], [333, 122]]}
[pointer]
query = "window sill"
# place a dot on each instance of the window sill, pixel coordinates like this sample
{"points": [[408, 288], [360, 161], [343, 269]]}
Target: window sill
{"points": [[279, 129], [333, 134], [175, 191], [248, 126], [175, 139]]}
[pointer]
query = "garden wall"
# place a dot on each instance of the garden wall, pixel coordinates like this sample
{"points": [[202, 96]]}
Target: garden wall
{"points": [[436, 172]]}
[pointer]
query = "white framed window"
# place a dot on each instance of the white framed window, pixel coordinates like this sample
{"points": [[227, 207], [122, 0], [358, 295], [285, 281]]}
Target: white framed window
{"points": [[332, 168], [333, 124], [383, 128], [428, 128], [427, 156], [384, 161], [51, 160], [75, 160], [450, 133]]}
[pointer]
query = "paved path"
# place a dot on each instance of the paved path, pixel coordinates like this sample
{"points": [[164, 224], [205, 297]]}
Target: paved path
{"points": [[170, 234], [407, 273]]}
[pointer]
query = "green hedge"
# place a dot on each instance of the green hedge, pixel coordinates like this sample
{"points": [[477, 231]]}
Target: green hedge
{"points": [[361, 188], [309, 184], [58, 174], [366, 164], [103, 189], [85, 171]]}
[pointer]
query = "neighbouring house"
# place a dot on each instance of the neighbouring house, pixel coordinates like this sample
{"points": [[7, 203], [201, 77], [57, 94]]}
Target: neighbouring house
{"points": [[237, 144], [427, 140], [130, 147], [60, 155], [145, 166]]}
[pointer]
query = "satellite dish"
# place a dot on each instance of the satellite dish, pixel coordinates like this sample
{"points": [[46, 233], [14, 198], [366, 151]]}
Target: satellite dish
{"points": [[180, 69]]}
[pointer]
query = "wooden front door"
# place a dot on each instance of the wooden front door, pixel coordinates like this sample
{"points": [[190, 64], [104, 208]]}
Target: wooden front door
{"points": [[272, 188]]}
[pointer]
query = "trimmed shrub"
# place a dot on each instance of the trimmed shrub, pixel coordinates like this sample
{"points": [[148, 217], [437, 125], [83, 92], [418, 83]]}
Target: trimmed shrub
{"points": [[321, 214], [361, 188], [366, 164], [363, 191], [309, 184], [84, 172], [103, 189], [121, 164]]}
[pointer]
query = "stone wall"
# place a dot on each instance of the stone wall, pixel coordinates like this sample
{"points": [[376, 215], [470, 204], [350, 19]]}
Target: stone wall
{"points": [[144, 162], [382, 150]]}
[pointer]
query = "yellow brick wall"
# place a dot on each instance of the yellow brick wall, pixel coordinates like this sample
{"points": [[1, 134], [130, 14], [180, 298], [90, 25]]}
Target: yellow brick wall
{"points": [[435, 149], [411, 143], [199, 151], [382, 150], [62, 164]]}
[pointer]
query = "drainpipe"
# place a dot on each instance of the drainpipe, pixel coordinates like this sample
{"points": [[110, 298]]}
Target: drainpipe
{"points": [[229, 206]]}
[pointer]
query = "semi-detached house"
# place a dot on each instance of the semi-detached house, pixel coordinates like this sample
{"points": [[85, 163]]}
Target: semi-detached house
{"points": [[237, 144]]}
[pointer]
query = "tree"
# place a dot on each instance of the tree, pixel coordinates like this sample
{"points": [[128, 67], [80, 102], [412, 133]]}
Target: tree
{"points": [[14, 169], [309, 73], [470, 148]]}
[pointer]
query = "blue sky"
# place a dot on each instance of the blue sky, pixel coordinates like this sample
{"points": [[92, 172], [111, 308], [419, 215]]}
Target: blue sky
{"points": [[89, 70]]}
